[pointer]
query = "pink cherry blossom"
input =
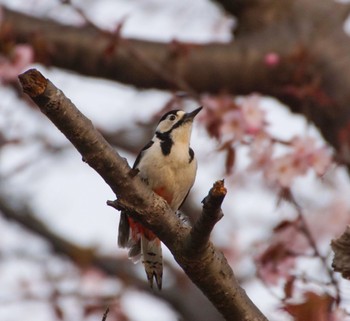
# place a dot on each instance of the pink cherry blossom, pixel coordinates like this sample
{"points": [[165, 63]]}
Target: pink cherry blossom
{"points": [[10, 67], [243, 121], [275, 264], [272, 59], [329, 220], [211, 103], [282, 170], [277, 260], [215, 113], [233, 125], [320, 160], [303, 156], [261, 152], [288, 233], [303, 145], [219, 104], [253, 115]]}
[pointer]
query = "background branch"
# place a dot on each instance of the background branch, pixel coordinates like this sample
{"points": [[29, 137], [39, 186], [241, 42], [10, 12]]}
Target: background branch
{"points": [[310, 73]]}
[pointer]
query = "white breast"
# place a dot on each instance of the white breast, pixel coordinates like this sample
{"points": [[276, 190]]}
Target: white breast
{"points": [[173, 172]]}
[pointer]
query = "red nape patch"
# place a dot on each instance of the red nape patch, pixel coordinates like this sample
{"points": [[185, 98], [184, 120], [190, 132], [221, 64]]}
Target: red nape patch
{"points": [[162, 192], [137, 229]]}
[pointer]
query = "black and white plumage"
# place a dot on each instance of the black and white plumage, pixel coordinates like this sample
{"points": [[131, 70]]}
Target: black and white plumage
{"points": [[168, 165]]}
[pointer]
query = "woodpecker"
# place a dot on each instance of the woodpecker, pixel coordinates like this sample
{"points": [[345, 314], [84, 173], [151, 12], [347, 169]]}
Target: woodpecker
{"points": [[168, 166]]}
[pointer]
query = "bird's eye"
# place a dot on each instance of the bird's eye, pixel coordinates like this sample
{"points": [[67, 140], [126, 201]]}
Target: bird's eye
{"points": [[172, 117]]}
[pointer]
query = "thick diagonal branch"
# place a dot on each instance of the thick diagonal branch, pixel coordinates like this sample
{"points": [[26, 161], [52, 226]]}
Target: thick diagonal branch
{"points": [[209, 270]]}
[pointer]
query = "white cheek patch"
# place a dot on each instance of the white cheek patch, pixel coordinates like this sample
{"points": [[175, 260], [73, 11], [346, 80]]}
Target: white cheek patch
{"points": [[164, 126], [180, 113]]}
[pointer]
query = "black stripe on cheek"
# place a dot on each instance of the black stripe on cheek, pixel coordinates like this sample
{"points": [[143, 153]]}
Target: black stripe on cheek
{"points": [[191, 153], [172, 112]]}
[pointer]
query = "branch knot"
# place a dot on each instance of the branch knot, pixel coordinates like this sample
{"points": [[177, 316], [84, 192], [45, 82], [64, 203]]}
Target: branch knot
{"points": [[33, 83]]}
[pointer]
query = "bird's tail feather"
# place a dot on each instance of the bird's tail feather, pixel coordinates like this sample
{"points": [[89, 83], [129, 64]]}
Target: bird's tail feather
{"points": [[142, 243], [152, 260], [123, 230], [129, 237]]}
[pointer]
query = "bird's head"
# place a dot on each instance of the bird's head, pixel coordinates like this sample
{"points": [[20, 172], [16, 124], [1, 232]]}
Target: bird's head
{"points": [[176, 124]]}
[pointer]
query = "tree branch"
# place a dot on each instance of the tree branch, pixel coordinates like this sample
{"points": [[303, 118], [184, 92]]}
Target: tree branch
{"points": [[341, 260], [105, 314], [209, 270], [211, 214]]}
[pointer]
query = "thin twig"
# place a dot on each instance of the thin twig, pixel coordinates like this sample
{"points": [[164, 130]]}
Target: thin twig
{"points": [[307, 232], [104, 318]]}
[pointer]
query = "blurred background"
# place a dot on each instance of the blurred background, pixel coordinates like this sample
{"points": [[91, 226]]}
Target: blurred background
{"points": [[274, 125]]}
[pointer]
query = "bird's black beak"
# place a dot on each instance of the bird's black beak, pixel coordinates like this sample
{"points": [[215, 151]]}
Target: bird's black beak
{"points": [[190, 116]]}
